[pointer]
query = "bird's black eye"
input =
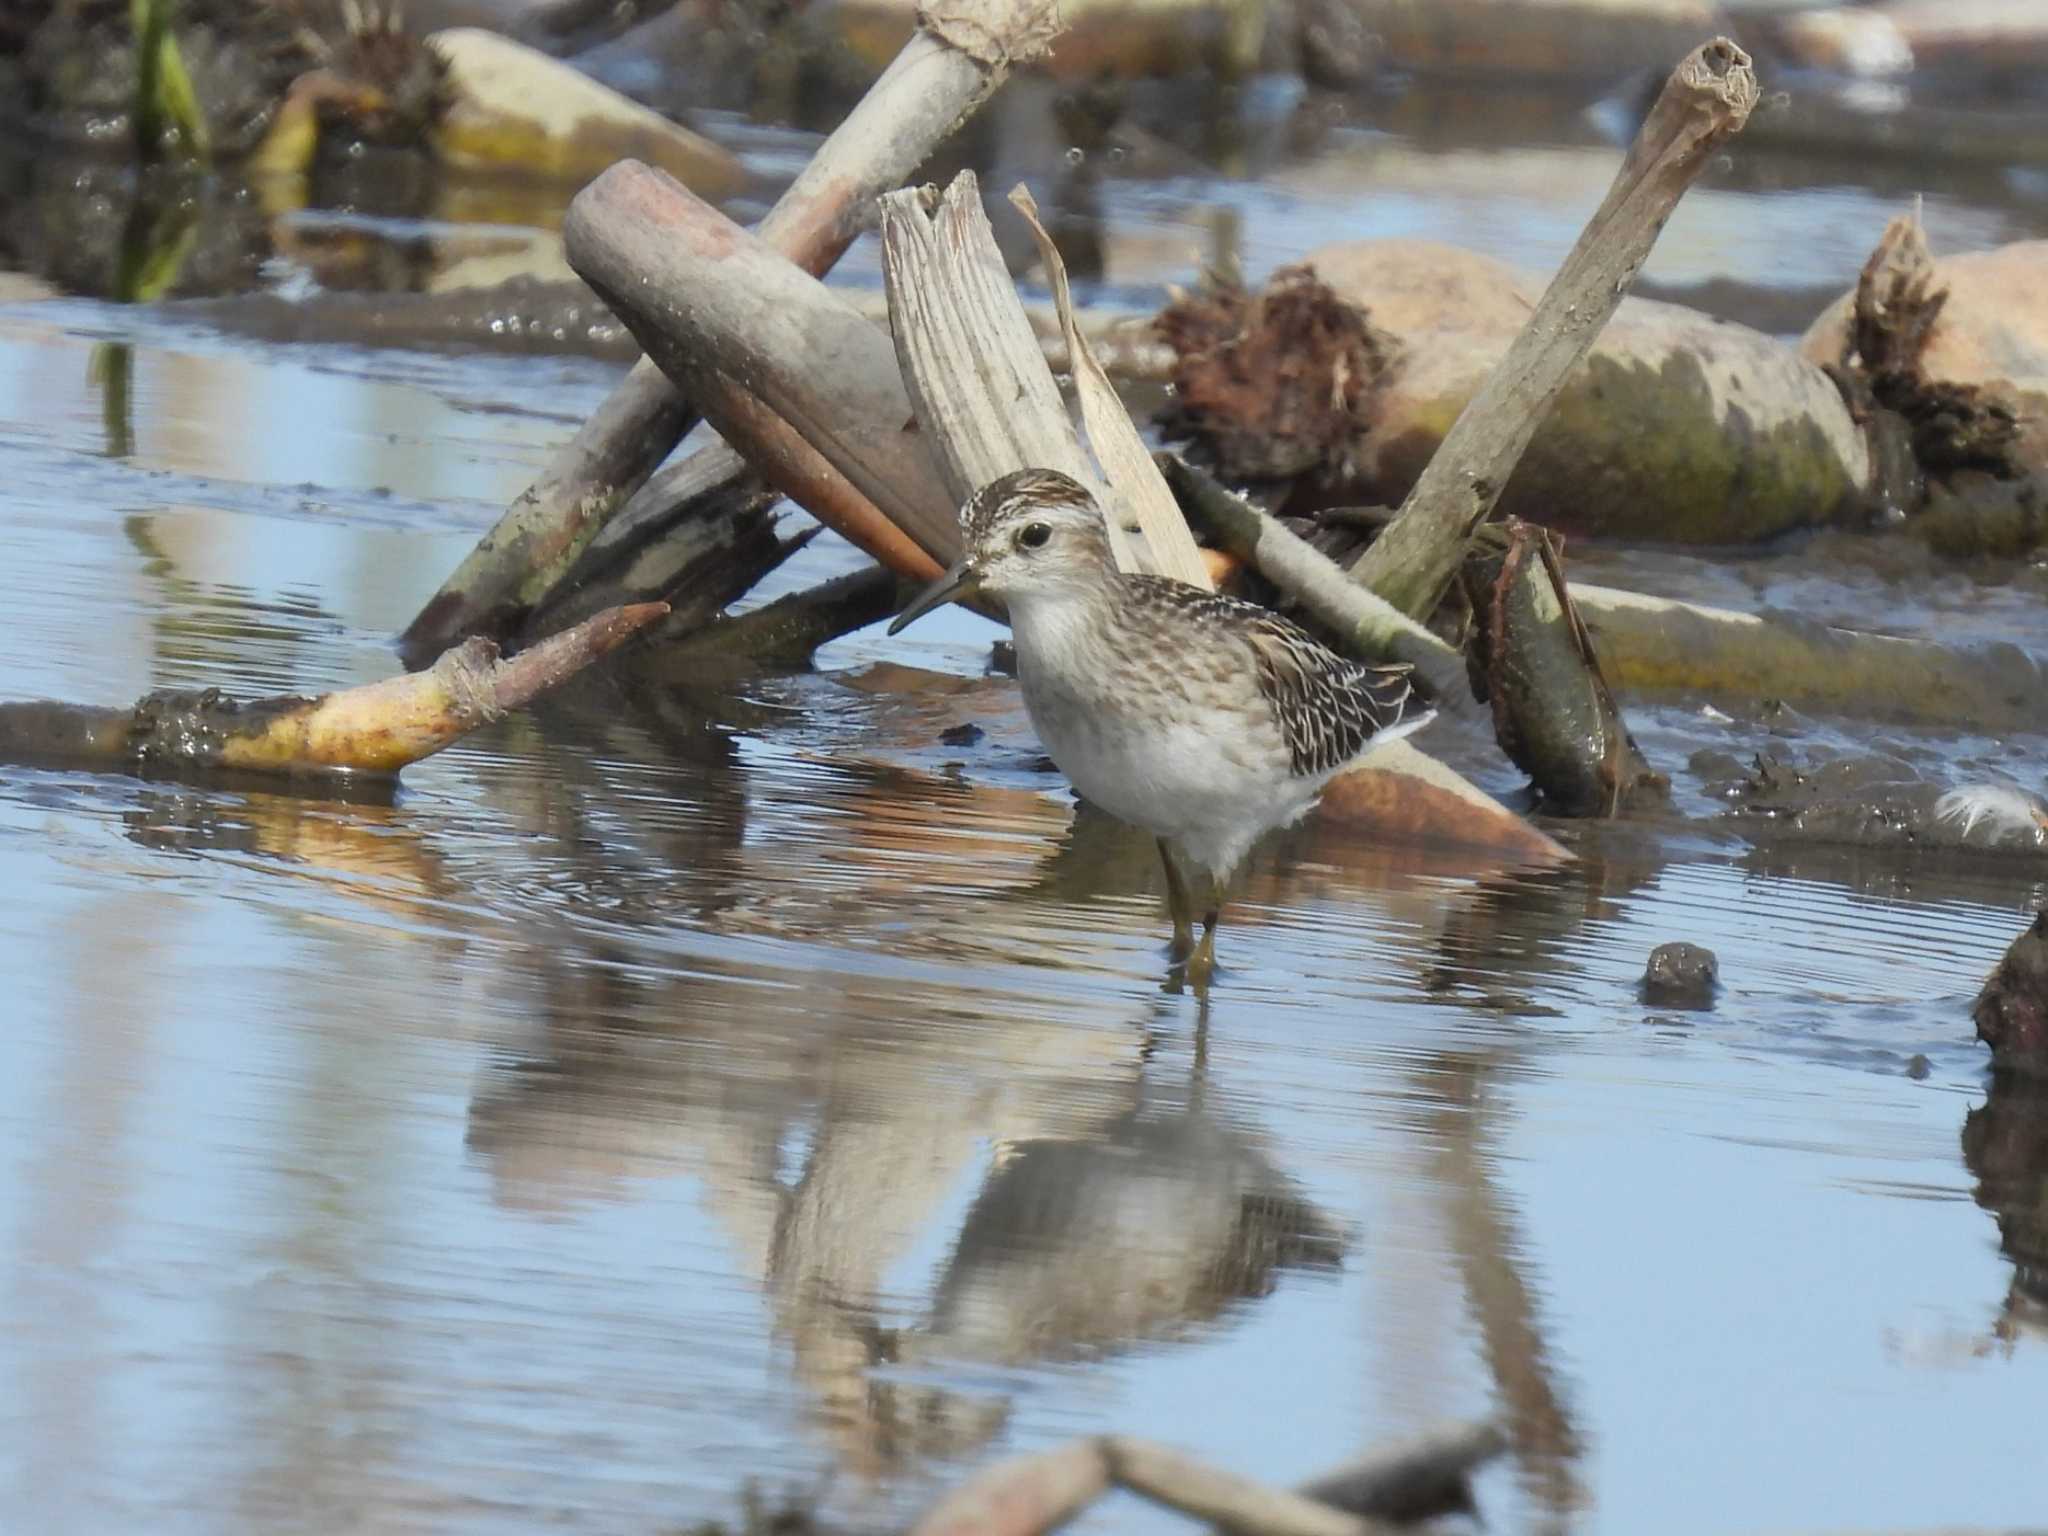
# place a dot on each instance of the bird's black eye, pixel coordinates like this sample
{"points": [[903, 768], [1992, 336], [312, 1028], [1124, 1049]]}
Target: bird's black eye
{"points": [[1033, 535]]}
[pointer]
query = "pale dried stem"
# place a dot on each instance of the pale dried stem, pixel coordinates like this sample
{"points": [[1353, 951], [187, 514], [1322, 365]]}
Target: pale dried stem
{"points": [[1365, 624], [1140, 492]]}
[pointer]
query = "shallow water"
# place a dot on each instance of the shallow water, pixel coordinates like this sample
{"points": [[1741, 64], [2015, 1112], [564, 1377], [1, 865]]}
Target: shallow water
{"points": [[675, 1091]]}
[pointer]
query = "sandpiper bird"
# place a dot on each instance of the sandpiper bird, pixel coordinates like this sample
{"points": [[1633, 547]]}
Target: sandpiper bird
{"points": [[1205, 720]]}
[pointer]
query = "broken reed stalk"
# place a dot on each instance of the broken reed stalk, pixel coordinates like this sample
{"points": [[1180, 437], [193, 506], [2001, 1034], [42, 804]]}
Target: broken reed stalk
{"points": [[374, 729], [824, 409], [1142, 493], [987, 404], [946, 70], [1412, 564]]}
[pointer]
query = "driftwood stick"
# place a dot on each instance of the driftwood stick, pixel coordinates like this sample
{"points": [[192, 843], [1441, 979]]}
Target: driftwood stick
{"points": [[1707, 98], [1240, 1505], [786, 632], [1415, 1479], [713, 305], [374, 729], [698, 535], [543, 530], [941, 75], [1367, 625], [661, 504]]}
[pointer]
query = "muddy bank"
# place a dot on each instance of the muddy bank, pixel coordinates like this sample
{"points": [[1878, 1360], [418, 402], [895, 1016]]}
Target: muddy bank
{"points": [[1873, 799]]}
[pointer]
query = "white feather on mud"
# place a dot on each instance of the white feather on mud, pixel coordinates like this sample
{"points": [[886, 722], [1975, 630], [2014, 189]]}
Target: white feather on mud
{"points": [[2004, 811]]}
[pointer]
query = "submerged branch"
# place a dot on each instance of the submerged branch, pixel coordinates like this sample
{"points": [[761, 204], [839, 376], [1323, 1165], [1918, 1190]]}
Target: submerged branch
{"points": [[1658, 643]]}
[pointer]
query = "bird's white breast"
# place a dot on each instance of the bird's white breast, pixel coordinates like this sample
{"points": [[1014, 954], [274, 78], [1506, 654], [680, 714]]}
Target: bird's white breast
{"points": [[1154, 745]]}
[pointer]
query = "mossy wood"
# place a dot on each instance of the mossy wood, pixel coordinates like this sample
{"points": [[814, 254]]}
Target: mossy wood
{"points": [[1553, 713], [1657, 644]]}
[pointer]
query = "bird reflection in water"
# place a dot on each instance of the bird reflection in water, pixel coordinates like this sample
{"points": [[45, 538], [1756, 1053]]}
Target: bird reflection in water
{"points": [[1115, 1207]]}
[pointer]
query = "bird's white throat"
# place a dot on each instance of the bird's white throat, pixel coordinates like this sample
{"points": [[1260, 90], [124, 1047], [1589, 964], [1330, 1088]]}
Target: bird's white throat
{"points": [[1058, 630]]}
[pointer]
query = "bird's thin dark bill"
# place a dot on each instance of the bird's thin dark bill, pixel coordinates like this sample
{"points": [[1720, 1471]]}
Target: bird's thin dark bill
{"points": [[961, 581]]}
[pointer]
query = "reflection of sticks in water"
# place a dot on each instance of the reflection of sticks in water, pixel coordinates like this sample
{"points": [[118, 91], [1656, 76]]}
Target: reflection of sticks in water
{"points": [[1033, 1494], [1413, 1479], [1484, 1244]]}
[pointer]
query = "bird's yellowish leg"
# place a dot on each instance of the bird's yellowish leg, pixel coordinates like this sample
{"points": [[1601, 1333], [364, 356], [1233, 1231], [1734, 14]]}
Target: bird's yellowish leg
{"points": [[1178, 906], [1203, 961]]}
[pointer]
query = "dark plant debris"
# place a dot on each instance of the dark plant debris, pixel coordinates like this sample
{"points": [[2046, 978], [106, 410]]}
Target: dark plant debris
{"points": [[1923, 431], [1271, 385]]}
